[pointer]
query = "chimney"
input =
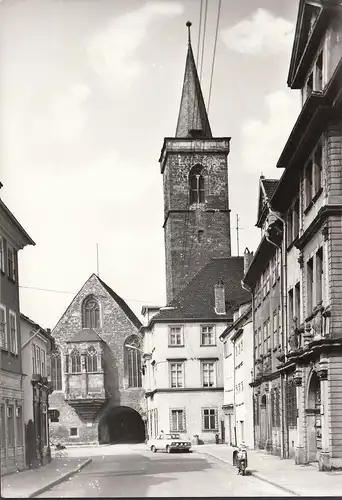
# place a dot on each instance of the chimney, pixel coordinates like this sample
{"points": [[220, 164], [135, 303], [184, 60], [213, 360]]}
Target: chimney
{"points": [[220, 299], [247, 259]]}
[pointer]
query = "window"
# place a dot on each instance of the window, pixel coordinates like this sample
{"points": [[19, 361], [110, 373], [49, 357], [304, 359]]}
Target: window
{"points": [[10, 425], [43, 362], [196, 181], [177, 420], [256, 344], [308, 183], [91, 313], [259, 340], [56, 370], [319, 72], [208, 335], [291, 403], [34, 363], [295, 219], [275, 328], [91, 360], [177, 375], [209, 419], [290, 307], [2, 426], [289, 227], [319, 276], [38, 359], [175, 336], [265, 337], [208, 373], [11, 262], [73, 431], [297, 302], [19, 421], [76, 365], [13, 332], [54, 415], [241, 343], [318, 165], [2, 255], [309, 85], [3, 329], [309, 280], [132, 361]]}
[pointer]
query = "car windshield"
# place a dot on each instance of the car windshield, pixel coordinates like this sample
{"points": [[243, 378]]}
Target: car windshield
{"points": [[172, 436]]}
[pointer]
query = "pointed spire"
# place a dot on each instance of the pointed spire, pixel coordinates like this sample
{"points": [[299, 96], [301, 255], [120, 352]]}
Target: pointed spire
{"points": [[192, 119]]}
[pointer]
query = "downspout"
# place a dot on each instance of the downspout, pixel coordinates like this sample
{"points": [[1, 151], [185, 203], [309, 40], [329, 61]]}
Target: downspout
{"points": [[283, 286]]}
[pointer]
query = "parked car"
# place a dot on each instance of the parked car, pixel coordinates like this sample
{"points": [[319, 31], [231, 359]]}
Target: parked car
{"points": [[169, 443]]}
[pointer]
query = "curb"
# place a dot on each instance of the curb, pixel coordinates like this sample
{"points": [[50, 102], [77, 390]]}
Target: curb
{"points": [[60, 479], [251, 473]]}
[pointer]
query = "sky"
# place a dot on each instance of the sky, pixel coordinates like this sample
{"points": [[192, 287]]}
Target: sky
{"points": [[88, 91]]}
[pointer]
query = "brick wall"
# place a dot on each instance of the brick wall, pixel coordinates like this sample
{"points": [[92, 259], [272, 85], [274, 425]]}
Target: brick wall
{"points": [[185, 253]]}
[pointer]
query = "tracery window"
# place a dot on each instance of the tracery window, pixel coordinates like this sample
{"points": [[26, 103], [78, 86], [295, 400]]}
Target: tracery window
{"points": [[75, 358], [56, 370], [91, 313], [196, 182], [91, 360], [132, 361]]}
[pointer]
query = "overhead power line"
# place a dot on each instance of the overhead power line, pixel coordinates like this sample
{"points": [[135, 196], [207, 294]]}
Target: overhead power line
{"points": [[203, 40], [74, 293], [214, 54], [199, 34]]}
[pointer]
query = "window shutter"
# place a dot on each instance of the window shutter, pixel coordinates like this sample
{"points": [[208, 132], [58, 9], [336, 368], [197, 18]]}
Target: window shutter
{"points": [[184, 420]]}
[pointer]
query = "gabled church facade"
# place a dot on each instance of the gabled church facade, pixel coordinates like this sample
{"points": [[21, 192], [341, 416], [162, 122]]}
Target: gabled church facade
{"points": [[96, 370]]}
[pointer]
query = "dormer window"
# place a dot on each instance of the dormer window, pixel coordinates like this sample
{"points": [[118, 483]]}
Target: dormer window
{"points": [[196, 181]]}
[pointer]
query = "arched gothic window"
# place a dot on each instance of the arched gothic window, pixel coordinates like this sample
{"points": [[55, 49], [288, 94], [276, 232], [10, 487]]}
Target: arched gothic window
{"points": [[56, 370], [91, 313], [76, 365], [196, 182], [132, 361], [91, 360]]}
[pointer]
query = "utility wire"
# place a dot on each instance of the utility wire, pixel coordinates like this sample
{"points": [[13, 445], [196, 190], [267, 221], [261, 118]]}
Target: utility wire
{"points": [[203, 40], [74, 293], [199, 34], [212, 67]]}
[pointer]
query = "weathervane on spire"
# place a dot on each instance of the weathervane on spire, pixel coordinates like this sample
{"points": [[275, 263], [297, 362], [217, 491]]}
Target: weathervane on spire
{"points": [[189, 24]]}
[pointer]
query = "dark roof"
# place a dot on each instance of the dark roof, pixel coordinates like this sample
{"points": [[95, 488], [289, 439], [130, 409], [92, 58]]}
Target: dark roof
{"points": [[86, 335], [192, 112], [126, 309], [197, 299], [27, 240]]}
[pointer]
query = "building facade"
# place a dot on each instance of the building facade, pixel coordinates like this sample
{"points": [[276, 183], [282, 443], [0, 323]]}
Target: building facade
{"points": [[238, 370], [96, 370], [184, 358], [36, 347], [12, 446], [304, 216]]}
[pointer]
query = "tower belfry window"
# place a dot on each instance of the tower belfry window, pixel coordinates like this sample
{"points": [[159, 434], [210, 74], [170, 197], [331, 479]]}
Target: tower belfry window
{"points": [[196, 181]]}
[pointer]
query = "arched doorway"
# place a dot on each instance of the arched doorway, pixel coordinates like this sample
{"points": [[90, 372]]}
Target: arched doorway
{"points": [[121, 424], [313, 419], [263, 421]]}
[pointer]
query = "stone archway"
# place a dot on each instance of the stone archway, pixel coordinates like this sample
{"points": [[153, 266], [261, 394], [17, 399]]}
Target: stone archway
{"points": [[313, 418], [121, 424]]}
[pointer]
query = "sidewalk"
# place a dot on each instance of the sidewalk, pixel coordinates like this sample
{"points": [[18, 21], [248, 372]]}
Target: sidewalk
{"points": [[301, 480], [31, 483]]}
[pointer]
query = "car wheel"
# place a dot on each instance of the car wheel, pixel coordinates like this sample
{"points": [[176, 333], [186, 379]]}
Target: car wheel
{"points": [[168, 449], [153, 449]]}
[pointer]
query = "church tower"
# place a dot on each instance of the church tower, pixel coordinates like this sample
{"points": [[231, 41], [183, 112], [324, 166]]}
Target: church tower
{"points": [[195, 178]]}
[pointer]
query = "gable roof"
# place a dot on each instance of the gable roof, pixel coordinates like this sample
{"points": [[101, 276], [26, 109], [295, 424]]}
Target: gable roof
{"points": [[266, 187], [126, 309], [197, 299], [86, 335], [192, 112]]}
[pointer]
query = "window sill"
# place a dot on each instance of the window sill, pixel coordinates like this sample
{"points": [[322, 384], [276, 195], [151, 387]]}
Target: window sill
{"points": [[178, 345], [209, 430], [208, 345]]}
